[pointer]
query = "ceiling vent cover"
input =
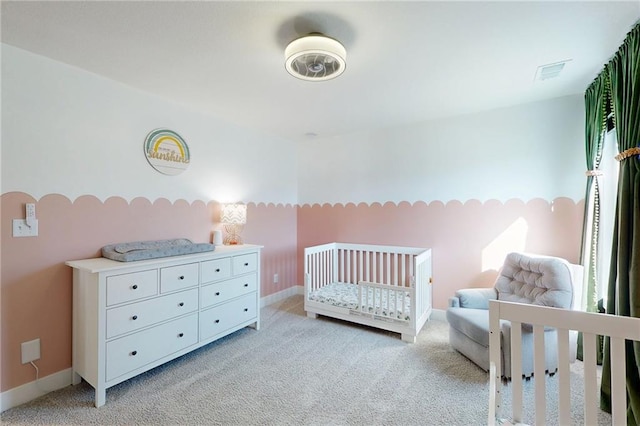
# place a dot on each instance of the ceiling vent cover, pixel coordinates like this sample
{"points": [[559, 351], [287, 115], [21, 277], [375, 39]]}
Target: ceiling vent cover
{"points": [[545, 72], [315, 58]]}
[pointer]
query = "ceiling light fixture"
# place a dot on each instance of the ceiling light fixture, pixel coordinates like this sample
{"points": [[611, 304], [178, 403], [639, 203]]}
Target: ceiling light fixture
{"points": [[315, 57]]}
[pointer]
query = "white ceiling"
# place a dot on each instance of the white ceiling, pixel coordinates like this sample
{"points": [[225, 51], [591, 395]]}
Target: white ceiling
{"points": [[406, 61]]}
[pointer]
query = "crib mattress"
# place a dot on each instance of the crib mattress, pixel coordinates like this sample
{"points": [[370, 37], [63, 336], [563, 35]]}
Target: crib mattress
{"points": [[345, 295]]}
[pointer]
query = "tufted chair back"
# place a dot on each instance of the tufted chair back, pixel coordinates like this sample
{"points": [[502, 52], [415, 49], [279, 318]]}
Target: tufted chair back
{"points": [[536, 280]]}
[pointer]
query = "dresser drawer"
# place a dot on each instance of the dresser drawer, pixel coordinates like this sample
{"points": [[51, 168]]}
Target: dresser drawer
{"points": [[134, 351], [178, 277], [223, 317], [125, 319], [245, 263], [221, 292], [129, 287], [215, 270]]}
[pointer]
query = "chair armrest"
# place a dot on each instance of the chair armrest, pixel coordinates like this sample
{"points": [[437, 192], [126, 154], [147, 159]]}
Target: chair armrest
{"points": [[454, 302], [476, 298]]}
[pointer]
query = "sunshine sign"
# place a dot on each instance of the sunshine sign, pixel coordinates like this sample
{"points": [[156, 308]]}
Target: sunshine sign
{"points": [[166, 151]]}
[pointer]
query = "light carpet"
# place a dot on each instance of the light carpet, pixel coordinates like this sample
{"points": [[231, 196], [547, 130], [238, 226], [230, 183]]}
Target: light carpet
{"points": [[299, 371]]}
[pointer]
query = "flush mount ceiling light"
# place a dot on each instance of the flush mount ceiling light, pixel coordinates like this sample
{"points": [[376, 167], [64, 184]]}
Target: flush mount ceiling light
{"points": [[315, 57]]}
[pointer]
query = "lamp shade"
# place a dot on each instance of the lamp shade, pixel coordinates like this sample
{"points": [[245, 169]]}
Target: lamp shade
{"points": [[234, 213]]}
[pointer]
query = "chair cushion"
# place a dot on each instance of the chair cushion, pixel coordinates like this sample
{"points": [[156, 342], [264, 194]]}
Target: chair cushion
{"points": [[473, 323], [536, 280], [476, 298]]}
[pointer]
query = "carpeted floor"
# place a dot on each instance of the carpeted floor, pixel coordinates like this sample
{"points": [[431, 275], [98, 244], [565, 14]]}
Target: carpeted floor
{"points": [[298, 371]]}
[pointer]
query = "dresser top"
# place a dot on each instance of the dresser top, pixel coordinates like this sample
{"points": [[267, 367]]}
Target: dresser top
{"points": [[102, 264]]}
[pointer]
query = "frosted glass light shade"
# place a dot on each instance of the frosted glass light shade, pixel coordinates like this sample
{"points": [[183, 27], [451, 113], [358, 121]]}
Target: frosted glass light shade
{"points": [[234, 214], [315, 57]]}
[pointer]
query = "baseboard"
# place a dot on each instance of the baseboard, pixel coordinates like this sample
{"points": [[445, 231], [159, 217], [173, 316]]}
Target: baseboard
{"points": [[439, 315], [32, 390], [281, 295]]}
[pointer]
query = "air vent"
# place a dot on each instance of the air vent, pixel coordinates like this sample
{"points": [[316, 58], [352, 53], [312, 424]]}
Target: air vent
{"points": [[315, 58], [546, 72]]}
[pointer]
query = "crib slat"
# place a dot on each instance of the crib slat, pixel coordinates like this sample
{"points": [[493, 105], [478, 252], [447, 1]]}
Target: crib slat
{"points": [[618, 382], [590, 379], [314, 266], [539, 376], [345, 261], [564, 391], [516, 370], [388, 280], [329, 267], [495, 362], [323, 268], [395, 269], [403, 260], [374, 262], [338, 264]]}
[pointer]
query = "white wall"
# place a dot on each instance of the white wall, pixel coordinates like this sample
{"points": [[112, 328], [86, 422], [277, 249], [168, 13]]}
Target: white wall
{"points": [[67, 131], [530, 151]]}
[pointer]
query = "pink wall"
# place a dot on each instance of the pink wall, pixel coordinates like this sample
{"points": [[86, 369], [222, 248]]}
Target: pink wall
{"points": [[468, 240], [36, 285]]}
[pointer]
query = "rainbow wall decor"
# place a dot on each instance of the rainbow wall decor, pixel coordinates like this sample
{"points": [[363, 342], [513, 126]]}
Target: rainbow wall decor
{"points": [[166, 151]]}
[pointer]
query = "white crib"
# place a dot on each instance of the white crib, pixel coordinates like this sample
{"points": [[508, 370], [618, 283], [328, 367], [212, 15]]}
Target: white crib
{"points": [[591, 325], [386, 287]]}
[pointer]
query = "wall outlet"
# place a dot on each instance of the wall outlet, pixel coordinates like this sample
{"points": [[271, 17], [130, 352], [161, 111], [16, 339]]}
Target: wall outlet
{"points": [[275, 278], [21, 229], [30, 350]]}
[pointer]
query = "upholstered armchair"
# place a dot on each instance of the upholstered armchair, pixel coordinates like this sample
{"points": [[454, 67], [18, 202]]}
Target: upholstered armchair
{"points": [[524, 278]]}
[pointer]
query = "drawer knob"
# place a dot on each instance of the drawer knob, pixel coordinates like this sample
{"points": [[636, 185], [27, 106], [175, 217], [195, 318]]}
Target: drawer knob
{"points": [[218, 270], [135, 317], [246, 285], [135, 286], [181, 277], [217, 293], [246, 309], [181, 304], [217, 321], [246, 264], [181, 335], [134, 353]]}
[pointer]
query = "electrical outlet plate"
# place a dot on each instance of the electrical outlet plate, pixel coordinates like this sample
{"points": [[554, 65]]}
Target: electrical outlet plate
{"points": [[275, 278], [30, 350], [21, 229]]}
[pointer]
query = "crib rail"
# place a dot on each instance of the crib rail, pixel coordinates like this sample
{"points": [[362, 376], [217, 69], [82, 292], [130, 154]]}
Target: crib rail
{"points": [[621, 330], [355, 263], [385, 302]]}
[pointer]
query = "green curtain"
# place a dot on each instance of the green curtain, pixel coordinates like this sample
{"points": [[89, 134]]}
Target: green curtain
{"points": [[595, 102], [624, 280]]}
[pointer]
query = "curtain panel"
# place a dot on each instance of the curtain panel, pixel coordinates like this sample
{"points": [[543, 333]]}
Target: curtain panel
{"points": [[595, 128], [623, 297], [595, 103]]}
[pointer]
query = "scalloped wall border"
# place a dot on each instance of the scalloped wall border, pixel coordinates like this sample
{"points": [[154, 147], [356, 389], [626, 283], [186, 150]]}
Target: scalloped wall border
{"points": [[432, 203]]}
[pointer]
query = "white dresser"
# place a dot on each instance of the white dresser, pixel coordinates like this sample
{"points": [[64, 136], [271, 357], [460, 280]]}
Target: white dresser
{"points": [[129, 317]]}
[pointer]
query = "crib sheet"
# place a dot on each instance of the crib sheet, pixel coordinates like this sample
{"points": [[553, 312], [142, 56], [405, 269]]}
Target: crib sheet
{"points": [[346, 296]]}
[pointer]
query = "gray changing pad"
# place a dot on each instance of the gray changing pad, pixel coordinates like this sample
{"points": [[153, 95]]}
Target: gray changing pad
{"points": [[140, 250]]}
